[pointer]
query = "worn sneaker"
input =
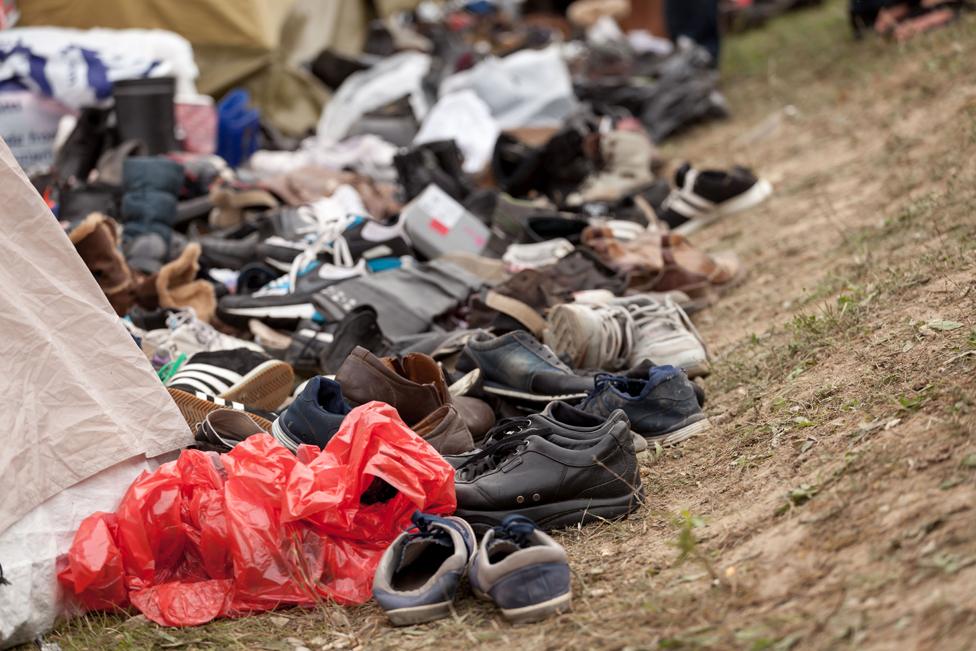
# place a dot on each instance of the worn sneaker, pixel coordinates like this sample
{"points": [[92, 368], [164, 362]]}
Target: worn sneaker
{"points": [[558, 482], [701, 197], [522, 570], [240, 375], [517, 365], [313, 417], [222, 429], [185, 333], [663, 408], [195, 407], [539, 254], [665, 335], [592, 337], [418, 576], [627, 157]]}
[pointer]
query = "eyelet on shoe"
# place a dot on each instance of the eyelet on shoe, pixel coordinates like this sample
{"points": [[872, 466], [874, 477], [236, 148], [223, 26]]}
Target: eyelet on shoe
{"points": [[519, 499], [536, 497]]}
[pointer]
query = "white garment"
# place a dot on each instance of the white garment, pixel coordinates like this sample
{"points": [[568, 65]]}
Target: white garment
{"points": [[466, 119]]}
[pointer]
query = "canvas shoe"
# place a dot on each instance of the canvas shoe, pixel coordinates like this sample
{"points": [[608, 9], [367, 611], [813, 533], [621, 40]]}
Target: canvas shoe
{"points": [[185, 333], [664, 334], [241, 375], [558, 481], [417, 577], [701, 197], [592, 336], [222, 429], [313, 417], [522, 570], [663, 407]]}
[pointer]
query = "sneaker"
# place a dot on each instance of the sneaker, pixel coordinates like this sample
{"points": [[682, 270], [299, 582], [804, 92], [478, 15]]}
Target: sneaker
{"points": [[241, 375], [195, 408], [522, 570], [701, 197], [539, 254], [663, 408], [185, 333], [517, 365], [591, 336], [558, 482], [627, 157], [313, 417], [665, 335], [418, 575], [222, 429]]}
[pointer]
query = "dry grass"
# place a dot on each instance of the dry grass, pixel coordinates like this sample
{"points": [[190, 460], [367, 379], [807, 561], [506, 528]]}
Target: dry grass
{"points": [[834, 498]]}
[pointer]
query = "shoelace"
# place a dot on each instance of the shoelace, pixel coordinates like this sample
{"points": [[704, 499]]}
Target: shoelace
{"points": [[600, 382], [616, 336], [330, 239], [667, 312], [491, 457], [516, 528]]}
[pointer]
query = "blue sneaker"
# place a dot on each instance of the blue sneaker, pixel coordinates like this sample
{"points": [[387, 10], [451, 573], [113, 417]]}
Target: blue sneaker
{"points": [[417, 578], [314, 417], [522, 570]]}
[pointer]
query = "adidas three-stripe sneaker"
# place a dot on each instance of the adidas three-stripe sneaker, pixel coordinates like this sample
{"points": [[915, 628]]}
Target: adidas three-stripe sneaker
{"points": [[239, 375]]}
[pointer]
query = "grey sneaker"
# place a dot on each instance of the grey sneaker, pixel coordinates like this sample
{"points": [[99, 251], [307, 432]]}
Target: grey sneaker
{"points": [[418, 575], [524, 571], [665, 335], [597, 337]]}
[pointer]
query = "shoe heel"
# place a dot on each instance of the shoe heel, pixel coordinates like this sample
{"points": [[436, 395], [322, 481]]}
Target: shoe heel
{"points": [[686, 432], [536, 612]]}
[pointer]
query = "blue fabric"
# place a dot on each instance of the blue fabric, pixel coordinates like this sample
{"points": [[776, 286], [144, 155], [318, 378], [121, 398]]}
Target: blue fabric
{"points": [[316, 415], [531, 585], [238, 128]]}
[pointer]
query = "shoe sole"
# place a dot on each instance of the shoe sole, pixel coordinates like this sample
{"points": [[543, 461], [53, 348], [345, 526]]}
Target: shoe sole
{"points": [[560, 515], [702, 369], [265, 387], [683, 434], [419, 614], [195, 410], [749, 199], [534, 397], [273, 315], [536, 612], [277, 431]]}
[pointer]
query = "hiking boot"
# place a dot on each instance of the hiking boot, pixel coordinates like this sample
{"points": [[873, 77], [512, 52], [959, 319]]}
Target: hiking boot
{"points": [[517, 365], [96, 240], [663, 408], [558, 482], [196, 406], [701, 197], [522, 570], [222, 429], [664, 335], [591, 336], [418, 576], [313, 417], [627, 158], [413, 384], [241, 375]]}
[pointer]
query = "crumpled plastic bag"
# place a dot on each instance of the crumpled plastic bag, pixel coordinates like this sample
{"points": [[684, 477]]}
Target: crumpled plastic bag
{"points": [[210, 536]]}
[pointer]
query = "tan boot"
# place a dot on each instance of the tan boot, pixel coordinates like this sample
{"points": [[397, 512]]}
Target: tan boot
{"points": [[97, 241], [177, 286], [627, 157]]}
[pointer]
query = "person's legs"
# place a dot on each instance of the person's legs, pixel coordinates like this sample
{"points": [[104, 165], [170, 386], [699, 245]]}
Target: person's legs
{"points": [[696, 19]]}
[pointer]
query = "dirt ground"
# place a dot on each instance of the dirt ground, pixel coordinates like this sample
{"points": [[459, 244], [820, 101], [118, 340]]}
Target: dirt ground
{"points": [[833, 503]]}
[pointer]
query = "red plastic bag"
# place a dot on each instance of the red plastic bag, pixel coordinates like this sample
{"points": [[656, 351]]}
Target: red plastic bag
{"points": [[207, 536]]}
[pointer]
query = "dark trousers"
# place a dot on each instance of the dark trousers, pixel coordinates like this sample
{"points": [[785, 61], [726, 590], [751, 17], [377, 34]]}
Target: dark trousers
{"points": [[696, 19]]}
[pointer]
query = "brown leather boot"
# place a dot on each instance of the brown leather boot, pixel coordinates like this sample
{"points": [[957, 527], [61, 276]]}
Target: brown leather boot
{"points": [[97, 241], [177, 286]]}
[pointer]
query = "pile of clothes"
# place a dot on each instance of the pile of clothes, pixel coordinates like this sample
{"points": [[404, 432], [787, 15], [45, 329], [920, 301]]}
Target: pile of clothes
{"points": [[471, 291]]}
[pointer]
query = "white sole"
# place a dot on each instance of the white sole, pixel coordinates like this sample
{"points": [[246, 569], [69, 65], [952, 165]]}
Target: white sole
{"points": [[535, 612], [466, 384], [299, 311], [682, 434], [509, 393], [748, 199], [419, 614]]}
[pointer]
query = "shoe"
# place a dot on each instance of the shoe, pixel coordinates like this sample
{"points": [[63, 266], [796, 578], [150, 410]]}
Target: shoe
{"points": [[418, 575], [414, 385], [446, 432], [241, 375], [197, 405], [313, 417], [440, 163], [558, 482], [178, 287], [96, 240], [591, 336], [531, 256], [517, 365], [627, 157], [664, 335], [229, 253], [663, 408], [359, 327], [701, 197], [185, 333], [576, 422], [222, 429], [523, 571]]}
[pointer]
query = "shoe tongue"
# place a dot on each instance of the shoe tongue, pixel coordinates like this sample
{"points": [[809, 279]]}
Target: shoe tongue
{"points": [[680, 174], [416, 545], [661, 374]]}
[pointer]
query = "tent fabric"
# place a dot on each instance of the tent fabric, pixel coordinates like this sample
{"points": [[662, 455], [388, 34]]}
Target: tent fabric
{"points": [[78, 394]]}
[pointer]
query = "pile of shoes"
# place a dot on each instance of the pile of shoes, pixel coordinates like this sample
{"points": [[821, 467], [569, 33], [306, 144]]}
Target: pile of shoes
{"points": [[525, 304]]}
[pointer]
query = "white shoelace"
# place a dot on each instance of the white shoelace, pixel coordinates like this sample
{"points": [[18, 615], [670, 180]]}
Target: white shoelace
{"points": [[666, 313], [205, 333], [616, 336], [330, 228]]}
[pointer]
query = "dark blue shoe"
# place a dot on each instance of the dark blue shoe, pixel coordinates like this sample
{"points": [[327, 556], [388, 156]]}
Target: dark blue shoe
{"points": [[524, 571], [663, 408], [517, 365], [418, 576], [314, 417]]}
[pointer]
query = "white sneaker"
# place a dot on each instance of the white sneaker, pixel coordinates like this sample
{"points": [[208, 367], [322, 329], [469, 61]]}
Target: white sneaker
{"points": [[592, 336], [701, 197], [188, 334], [535, 255], [665, 335]]}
